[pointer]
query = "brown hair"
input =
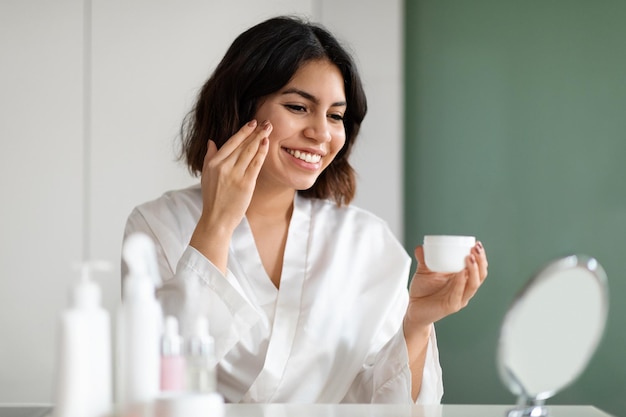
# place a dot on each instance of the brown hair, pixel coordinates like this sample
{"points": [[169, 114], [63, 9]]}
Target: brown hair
{"points": [[261, 61]]}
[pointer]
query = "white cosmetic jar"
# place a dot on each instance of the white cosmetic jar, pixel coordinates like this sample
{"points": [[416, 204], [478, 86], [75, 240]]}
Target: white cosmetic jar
{"points": [[446, 253]]}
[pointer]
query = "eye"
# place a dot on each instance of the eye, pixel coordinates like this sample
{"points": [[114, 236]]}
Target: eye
{"points": [[297, 108], [336, 117]]}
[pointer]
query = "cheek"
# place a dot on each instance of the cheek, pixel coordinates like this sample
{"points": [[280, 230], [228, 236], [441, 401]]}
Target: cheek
{"points": [[276, 135], [336, 145], [282, 127], [338, 142]]}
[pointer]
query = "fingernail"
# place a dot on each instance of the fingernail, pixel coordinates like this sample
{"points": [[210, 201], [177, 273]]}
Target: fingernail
{"points": [[252, 123], [472, 259], [479, 244], [265, 125]]}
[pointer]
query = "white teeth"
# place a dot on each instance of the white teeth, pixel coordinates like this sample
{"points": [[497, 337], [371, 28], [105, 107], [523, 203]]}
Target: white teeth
{"points": [[307, 157]]}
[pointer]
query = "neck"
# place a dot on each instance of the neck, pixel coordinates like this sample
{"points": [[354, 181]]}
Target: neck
{"points": [[271, 206]]}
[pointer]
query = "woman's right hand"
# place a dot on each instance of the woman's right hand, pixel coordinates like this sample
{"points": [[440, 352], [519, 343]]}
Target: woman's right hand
{"points": [[228, 180]]}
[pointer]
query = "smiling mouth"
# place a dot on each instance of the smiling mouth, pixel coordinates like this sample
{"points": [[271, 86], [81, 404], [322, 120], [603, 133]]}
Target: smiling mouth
{"points": [[305, 156]]}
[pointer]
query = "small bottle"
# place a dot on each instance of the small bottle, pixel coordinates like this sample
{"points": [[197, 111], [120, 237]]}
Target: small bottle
{"points": [[200, 397], [172, 358], [201, 376], [83, 383], [139, 326]]}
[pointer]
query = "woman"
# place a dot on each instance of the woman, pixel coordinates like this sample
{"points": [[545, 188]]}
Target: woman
{"points": [[306, 294]]}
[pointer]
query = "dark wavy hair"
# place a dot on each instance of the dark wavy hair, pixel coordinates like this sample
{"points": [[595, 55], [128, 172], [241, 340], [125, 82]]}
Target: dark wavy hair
{"points": [[261, 61]]}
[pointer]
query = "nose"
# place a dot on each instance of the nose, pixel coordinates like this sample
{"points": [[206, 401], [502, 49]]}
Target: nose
{"points": [[318, 129]]}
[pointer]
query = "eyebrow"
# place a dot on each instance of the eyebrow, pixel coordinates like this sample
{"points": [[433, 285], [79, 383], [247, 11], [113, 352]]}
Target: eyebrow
{"points": [[311, 97]]}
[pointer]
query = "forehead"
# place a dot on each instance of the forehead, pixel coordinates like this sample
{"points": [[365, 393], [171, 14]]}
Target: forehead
{"points": [[318, 77]]}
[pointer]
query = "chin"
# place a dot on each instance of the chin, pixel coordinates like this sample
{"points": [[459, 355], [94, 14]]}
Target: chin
{"points": [[303, 182], [304, 186]]}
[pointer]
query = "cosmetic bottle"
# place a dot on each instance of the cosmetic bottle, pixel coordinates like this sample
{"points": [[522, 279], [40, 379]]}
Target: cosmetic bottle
{"points": [[139, 326], [83, 383], [172, 358], [201, 376], [200, 397]]}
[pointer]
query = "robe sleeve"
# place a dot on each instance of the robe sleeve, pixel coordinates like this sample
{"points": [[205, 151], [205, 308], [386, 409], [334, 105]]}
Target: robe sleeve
{"points": [[199, 288], [240, 331], [196, 287], [388, 378], [190, 281], [385, 376], [392, 381]]}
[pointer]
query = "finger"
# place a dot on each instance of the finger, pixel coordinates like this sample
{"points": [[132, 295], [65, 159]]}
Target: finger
{"points": [[254, 167], [419, 256], [210, 152], [250, 148], [473, 281], [481, 259], [456, 294], [238, 138]]}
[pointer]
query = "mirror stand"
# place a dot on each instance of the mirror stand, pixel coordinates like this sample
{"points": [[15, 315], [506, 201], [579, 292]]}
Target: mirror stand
{"points": [[529, 407]]}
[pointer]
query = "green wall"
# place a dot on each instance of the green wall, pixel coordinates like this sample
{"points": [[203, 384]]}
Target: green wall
{"points": [[516, 133]]}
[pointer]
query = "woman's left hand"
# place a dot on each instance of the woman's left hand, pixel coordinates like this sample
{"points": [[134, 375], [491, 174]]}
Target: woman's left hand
{"points": [[433, 295]]}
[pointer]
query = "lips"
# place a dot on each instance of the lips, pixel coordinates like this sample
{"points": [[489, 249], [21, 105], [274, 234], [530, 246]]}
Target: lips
{"points": [[312, 158]]}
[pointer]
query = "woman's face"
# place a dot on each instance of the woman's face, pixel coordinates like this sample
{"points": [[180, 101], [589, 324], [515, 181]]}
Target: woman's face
{"points": [[308, 131]]}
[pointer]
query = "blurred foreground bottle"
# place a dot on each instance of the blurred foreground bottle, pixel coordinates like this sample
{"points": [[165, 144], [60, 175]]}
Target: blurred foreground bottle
{"points": [[172, 358], [83, 380], [201, 375], [139, 326]]}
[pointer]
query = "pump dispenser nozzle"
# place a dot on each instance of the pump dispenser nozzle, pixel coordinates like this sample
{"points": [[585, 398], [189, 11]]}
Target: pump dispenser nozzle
{"points": [[139, 253], [86, 293]]}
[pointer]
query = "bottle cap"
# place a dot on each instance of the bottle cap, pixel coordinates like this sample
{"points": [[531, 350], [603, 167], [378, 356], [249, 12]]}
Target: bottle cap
{"points": [[171, 342], [139, 253], [201, 342], [86, 293]]}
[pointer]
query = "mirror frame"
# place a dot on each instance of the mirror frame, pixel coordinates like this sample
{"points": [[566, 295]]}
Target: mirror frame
{"points": [[529, 405]]}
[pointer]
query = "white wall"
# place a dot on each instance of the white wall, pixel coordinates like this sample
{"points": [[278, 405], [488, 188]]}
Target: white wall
{"points": [[66, 194]]}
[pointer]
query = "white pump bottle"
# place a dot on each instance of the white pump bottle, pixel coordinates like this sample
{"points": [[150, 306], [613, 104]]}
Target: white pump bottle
{"points": [[139, 325], [83, 383]]}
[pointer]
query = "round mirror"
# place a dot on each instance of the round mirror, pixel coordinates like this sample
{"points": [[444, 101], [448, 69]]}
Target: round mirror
{"points": [[551, 331]]}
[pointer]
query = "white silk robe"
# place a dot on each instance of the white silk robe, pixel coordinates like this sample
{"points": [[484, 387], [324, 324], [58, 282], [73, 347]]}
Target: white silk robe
{"points": [[332, 332]]}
